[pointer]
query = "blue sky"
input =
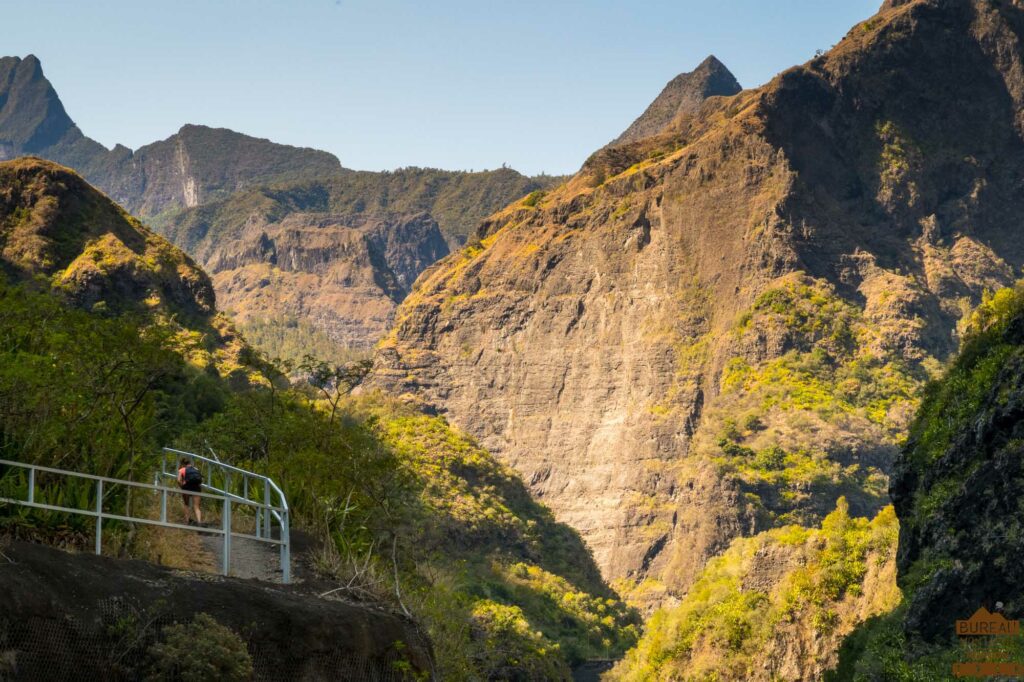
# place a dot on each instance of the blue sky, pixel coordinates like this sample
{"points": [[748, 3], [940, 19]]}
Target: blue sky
{"points": [[388, 83]]}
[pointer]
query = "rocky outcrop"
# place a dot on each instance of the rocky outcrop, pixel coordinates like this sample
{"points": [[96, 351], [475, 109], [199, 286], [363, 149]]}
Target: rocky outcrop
{"points": [[722, 327], [344, 274], [958, 484], [681, 97], [70, 617]]}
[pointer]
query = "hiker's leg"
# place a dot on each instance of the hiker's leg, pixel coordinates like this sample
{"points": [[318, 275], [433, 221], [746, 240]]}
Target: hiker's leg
{"points": [[198, 511], [186, 500]]}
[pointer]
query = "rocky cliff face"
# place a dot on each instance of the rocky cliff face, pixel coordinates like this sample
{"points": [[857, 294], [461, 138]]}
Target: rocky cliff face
{"points": [[337, 253], [682, 97], [67, 616], [344, 274], [352, 242], [723, 327]]}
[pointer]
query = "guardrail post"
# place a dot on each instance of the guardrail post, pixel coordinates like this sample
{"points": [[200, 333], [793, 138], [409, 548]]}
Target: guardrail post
{"points": [[99, 517], [266, 510], [163, 506], [286, 554], [31, 485], [226, 523]]}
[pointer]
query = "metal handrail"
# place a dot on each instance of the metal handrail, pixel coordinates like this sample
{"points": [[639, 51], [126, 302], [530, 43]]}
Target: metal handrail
{"points": [[97, 512], [221, 465], [266, 512]]}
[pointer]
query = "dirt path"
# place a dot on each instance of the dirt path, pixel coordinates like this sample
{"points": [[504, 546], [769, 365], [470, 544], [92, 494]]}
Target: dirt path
{"points": [[249, 558]]}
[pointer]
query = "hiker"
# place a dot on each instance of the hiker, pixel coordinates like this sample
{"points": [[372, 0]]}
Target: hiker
{"points": [[191, 479]]}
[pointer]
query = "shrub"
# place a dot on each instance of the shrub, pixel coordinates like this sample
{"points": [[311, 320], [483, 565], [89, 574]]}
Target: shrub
{"points": [[201, 651]]}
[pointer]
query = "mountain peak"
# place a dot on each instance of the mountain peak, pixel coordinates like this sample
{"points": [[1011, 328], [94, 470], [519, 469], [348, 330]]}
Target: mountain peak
{"points": [[682, 95], [31, 115], [714, 63]]}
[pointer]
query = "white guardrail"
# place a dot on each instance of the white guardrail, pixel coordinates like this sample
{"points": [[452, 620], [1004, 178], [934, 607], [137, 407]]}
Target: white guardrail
{"points": [[222, 483]]}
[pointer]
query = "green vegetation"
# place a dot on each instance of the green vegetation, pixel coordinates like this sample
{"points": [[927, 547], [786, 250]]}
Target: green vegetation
{"points": [[950, 406], [731, 621], [289, 340], [200, 651], [458, 201], [780, 424], [409, 511], [878, 651], [897, 161], [91, 393], [534, 198], [942, 461]]}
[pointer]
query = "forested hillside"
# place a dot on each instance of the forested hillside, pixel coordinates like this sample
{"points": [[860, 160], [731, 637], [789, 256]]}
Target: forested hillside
{"points": [[112, 349]]}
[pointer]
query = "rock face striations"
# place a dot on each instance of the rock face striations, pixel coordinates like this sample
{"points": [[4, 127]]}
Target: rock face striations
{"points": [[279, 256], [723, 327]]}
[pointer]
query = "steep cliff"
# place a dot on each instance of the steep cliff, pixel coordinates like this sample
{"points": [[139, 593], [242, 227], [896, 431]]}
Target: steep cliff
{"points": [[724, 327], [337, 254]]}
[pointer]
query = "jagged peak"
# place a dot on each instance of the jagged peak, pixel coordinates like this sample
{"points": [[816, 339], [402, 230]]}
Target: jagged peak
{"points": [[682, 95], [31, 114]]}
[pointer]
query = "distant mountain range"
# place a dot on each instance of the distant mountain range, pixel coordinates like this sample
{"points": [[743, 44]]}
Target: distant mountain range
{"points": [[292, 239]]}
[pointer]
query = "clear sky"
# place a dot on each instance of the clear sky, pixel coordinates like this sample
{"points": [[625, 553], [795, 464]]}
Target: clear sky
{"points": [[536, 84]]}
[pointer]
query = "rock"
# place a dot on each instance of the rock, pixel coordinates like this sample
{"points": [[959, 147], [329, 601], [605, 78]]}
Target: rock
{"points": [[585, 339], [65, 616], [682, 96]]}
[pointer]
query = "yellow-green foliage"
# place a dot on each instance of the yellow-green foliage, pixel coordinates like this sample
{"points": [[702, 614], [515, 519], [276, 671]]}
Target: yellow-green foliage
{"points": [[511, 558], [950, 402], [534, 198], [461, 483], [775, 420], [832, 370], [898, 158], [893, 161], [723, 628], [289, 340], [510, 648], [201, 651]]}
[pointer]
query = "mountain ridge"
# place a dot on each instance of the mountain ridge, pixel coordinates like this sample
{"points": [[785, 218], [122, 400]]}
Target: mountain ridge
{"points": [[669, 315], [374, 232]]}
